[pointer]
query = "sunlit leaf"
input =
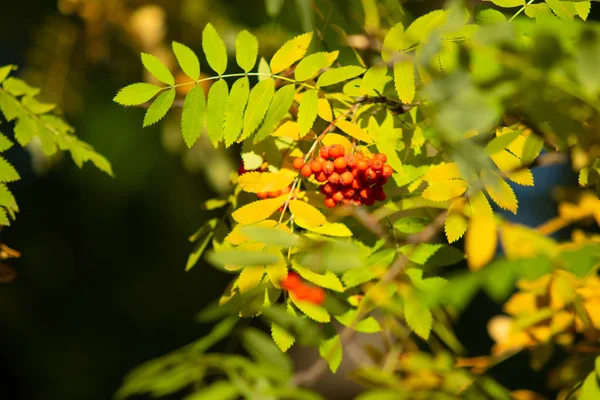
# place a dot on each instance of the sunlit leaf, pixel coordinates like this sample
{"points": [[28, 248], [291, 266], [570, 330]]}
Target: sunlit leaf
{"points": [[481, 241], [306, 215], [246, 50], [404, 80], [331, 351], [234, 111], [136, 93], [307, 111], [282, 338], [312, 64], [157, 69], [445, 190], [291, 51], [192, 117], [281, 103], [258, 210], [354, 130], [258, 103], [214, 49], [188, 60], [158, 109], [337, 75], [332, 229], [215, 110]]}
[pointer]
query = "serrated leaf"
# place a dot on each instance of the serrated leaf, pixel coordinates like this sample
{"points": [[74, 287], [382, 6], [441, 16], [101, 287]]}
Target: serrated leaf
{"points": [[188, 60], [18, 87], [306, 215], [234, 112], [214, 49], [264, 70], [246, 50], [420, 253], [256, 182], [333, 229], [506, 162], [291, 51], [258, 210], [249, 278], [307, 111], [157, 69], [5, 71], [411, 224], [269, 235], [36, 107], [9, 106], [279, 107], [312, 311], [7, 172], [365, 325], [501, 192], [204, 235], [282, 338], [25, 130], [7, 199], [331, 351], [537, 10], [312, 64], [325, 110], [215, 110], [219, 390], [500, 143], [583, 9], [442, 172], [404, 80], [455, 224], [481, 241], [479, 204], [563, 9], [354, 130], [192, 117], [418, 316], [158, 109], [444, 190], [394, 41], [489, 16], [243, 258], [429, 286], [5, 143], [277, 272], [341, 74], [258, 103], [420, 29], [375, 78], [328, 280], [508, 3]]}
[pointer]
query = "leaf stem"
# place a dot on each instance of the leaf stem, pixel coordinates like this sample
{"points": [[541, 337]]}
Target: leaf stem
{"points": [[520, 11]]}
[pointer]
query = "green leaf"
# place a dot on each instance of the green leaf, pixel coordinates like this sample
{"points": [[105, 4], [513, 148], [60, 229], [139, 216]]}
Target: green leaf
{"points": [[307, 112], [583, 9], [500, 143], [420, 253], [158, 109], [587, 58], [273, 7], [262, 349], [5, 71], [215, 110], [337, 256], [203, 236], [241, 258], [220, 390], [418, 316], [375, 78], [270, 236], [337, 75], [381, 394], [532, 148], [7, 172], [234, 111], [18, 87], [291, 51], [7, 199], [36, 107], [246, 50], [328, 280], [281, 103], [25, 130], [157, 69], [192, 117], [258, 103], [282, 338], [563, 9], [5, 143], [312, 311], [590, 390], [394, 41], [430, 286], [537, 10], [263, 69], [331, 351], [188, 60], [366, 325], [404, 79], [490, 16], [411, 224], [9, 106], [508, 3], [312, 64], [214, 49]]}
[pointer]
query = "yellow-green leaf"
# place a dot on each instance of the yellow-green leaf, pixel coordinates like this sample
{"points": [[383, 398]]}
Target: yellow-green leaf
{"points": [[331, 351], [404, 79], [341, 74], [249, 278], [214, 49], [258, 210], [306, 215], [445, 190], [246, 50], [354, 130], [258, 103], [234, 112], [159, 107], [188, 60], [332, 138], [291, 51], [312, 64], [418, 316], [307, 111], [500, 192], [157, 69], [506, 162], [508, 3], [279, 107], [455, 224], [215, 114], [333, 229], [282, 338], [256, 182], [136, 93], [192, 117], [481, 241], [277, 273], [442, 172], [365, 325], [328, 280], [325, 110], [312, 311]]}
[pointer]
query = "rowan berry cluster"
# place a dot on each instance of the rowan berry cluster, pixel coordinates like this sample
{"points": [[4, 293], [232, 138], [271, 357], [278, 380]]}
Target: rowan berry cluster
{"points": [[273, 194], [294, 284], [353, 178]]}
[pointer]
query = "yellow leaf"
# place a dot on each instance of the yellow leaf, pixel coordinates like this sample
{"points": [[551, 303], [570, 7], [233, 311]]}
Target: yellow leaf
{"points": [[354, 130], [516, 146], [481, 241], [519, 241], [333, 229], [305, 215], [506, 161], [332, 138], [289, 129], [256, 182], [500, 191], [521, 303], [480, 205], [291, 51], [277, 273], [456, 224], [258, 210], [236, 237], [562, 289], [312, 311], [445, 190], [324, 109], [442, 172], [249, 278], [404, 79]]}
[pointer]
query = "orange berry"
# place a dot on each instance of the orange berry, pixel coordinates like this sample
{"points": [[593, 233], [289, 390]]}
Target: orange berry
{"points": [[362, 164], [377, 163], [336, 150], [370, 175], [346, 178], [382, 180], [327, 189], [320, 159], [320, 176], [366, 193], [334, 178], [328, 167], [291, 282], [348, 192], [351, 160], [316, 166], [325, 152], [340, 164], [306, 170], [274, 193], [302, 291], [382, 157], [298, 163], [338, 196], [357, 184], [387, 171], [329, 202], [316, 295], [262, 195]]}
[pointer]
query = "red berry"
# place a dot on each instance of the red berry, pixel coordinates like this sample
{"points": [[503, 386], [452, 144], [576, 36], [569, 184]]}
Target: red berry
{"points": [[340, 164], [306, 170], [336, 150], [316, 166], [387, 171], [329, 202], [291, 282], [274, 193], [321, 177], [262, 195], [328, 167], [357, 184], [334, 178], [348, 192], [362, 164], [382, 157], [320, 159], [379, 196], [346, 178], [377, 163], [369, 202], [351, 161], [338, 196], [316, 295], [366, 193], [325, 152], [302, 291], [327, 189], [370, 175], [298, 163]]}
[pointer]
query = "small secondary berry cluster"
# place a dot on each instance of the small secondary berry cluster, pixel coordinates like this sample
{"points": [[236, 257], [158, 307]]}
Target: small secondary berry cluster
{"points": [[353, 178], [294, 284]]}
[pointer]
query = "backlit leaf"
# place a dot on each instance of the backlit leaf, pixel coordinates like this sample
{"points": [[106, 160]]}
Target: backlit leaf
{"points": [[159, 107], [282, 338], [250, 277], [214, 49], [537, 10], [341, 74], [506, 162], [312, 64], [590, 390], [258, 210], [306, 215], [410, 224], [508, 3], [445, 190], [500, 143], [490, 16], [404, 80], [192, 117], [256, 182], [394, 41], [246, 50], [418, 316], [188, 60], [307, 111], [455, 224], [279, 107], [563, 9], [354, 130], [501, 192], [328, 280], [234, 112], [291, 51], [312, 311], [365, 325], [157, 69], [325, 110], [215, 110], [258, 102], [333, 229], [481, 241], [136, 93], [5, 71], [269, 235], [334, 138], [7, 172], [331, 351], [583, 9]]}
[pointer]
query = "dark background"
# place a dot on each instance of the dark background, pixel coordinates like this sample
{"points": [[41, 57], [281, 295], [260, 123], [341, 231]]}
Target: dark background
{"points": [[101, 285]]}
